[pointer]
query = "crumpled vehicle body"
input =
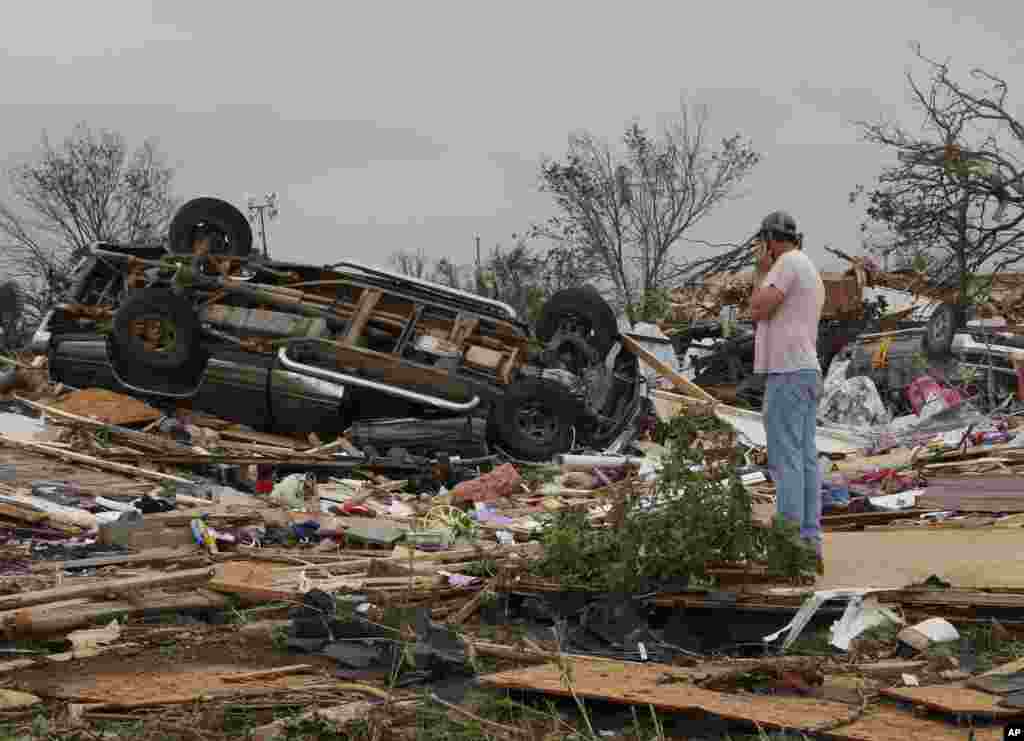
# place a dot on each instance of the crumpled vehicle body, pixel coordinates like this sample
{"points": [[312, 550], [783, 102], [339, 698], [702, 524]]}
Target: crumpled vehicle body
{"points": [[298, 348]]}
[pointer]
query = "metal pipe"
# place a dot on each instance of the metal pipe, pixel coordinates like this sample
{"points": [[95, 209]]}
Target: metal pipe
{"points": [[586, 462], [430, 285], [384, 388]]}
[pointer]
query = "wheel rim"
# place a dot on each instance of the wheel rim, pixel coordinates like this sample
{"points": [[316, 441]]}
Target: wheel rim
{"points": [[537, 423], [156, 334], [576, 326]]}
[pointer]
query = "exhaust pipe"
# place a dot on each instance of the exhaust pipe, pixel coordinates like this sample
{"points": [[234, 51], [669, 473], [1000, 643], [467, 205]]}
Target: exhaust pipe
{"points": [[345, 378]]}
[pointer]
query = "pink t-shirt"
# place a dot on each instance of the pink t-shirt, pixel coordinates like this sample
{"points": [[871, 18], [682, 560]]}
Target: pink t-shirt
{"points": [[789, 340]]}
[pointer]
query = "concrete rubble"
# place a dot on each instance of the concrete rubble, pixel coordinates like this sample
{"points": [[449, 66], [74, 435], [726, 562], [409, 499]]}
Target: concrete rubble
{"points": [[170, 568]]}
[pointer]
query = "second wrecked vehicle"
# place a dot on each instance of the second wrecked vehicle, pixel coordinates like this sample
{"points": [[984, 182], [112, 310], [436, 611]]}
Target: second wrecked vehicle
{"points": [[301, 348]]}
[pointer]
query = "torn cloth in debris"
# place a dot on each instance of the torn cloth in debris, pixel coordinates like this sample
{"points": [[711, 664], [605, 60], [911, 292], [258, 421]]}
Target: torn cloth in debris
{"points": [[853, 402]]}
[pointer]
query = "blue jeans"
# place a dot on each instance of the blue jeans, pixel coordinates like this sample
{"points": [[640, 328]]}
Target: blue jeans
{"points": [[790, 421]]}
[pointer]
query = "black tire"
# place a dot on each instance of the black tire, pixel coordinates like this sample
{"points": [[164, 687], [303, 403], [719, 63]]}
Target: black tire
{"points": [[215, 215], [545, 433], [585, 305], [178, 320], [942, 326]]}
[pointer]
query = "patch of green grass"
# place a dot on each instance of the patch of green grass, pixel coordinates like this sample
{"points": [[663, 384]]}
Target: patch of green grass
{"points": [[279, 637], [812, 643], [885, 632], [992, 650]]}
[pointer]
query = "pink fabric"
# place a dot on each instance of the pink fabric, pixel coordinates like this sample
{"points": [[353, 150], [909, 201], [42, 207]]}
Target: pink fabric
{"points": [[789, 340]]}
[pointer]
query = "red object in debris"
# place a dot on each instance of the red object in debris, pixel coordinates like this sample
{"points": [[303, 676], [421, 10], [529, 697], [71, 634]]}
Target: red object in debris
{"points": [[925, 389], [503, 481], [264, 479], [359, 510]]}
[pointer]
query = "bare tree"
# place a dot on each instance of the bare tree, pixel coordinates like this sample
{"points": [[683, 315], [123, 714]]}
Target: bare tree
{"points": [[448, 273], [90, 188], [516, 277], [954, 202], [413, 264], [631, 210], [12, 325]]}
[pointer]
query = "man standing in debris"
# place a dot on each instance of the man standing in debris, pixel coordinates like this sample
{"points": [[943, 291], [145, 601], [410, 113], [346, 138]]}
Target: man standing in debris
{"points": [[787, 305]]}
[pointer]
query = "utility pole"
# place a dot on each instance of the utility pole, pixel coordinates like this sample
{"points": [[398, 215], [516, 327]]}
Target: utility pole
{"points": [[479, 274]]}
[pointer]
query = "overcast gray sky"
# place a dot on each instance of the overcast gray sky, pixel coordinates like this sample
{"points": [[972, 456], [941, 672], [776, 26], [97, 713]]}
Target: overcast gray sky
{"points": [[402, 125]]}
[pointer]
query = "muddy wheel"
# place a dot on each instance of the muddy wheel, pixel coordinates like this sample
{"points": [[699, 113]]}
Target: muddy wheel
{"points": [[581, 312], [941, 327], [534, 419], [227, 228], [157, 329]]}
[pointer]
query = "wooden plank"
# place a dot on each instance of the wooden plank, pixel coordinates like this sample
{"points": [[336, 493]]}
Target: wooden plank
{"points": [[465, 325], [870, 518], [958, 699], [153, 555], [89, 460], [109, 407], [483, 358], [115, 586], [281, 671], [43, 620], [505, 371], [367, 301], [683, 384], [644, 684]]}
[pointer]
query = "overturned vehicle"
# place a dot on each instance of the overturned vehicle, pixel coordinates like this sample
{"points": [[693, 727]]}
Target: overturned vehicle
{"points": [[207, 321]]}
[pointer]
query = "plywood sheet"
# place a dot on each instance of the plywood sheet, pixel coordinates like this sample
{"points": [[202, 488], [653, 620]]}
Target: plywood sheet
{"points": [[969, 559], [639, 684], [953, 698], [107, 406]]}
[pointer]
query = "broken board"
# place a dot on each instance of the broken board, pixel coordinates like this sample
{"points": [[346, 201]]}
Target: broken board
{"points": [[644, 684], [108, 407], [955, 699], [681, 382]]}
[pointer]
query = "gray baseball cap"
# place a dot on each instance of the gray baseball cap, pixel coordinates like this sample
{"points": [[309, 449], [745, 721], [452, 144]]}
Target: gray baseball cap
{"points": [[780, 222]]}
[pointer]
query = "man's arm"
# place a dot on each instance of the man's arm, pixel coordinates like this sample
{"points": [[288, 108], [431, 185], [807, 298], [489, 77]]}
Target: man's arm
{"points": [[768, 296], [765, 302]]}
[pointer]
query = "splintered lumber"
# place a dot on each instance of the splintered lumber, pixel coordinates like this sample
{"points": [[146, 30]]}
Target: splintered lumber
{"points": [[281, 671], [153, 555], [89, 460], [108, 586], [52, 513], [955, 699], [683, 384], [50, 619], [645, 684], [473, 605], [138, 439]]}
